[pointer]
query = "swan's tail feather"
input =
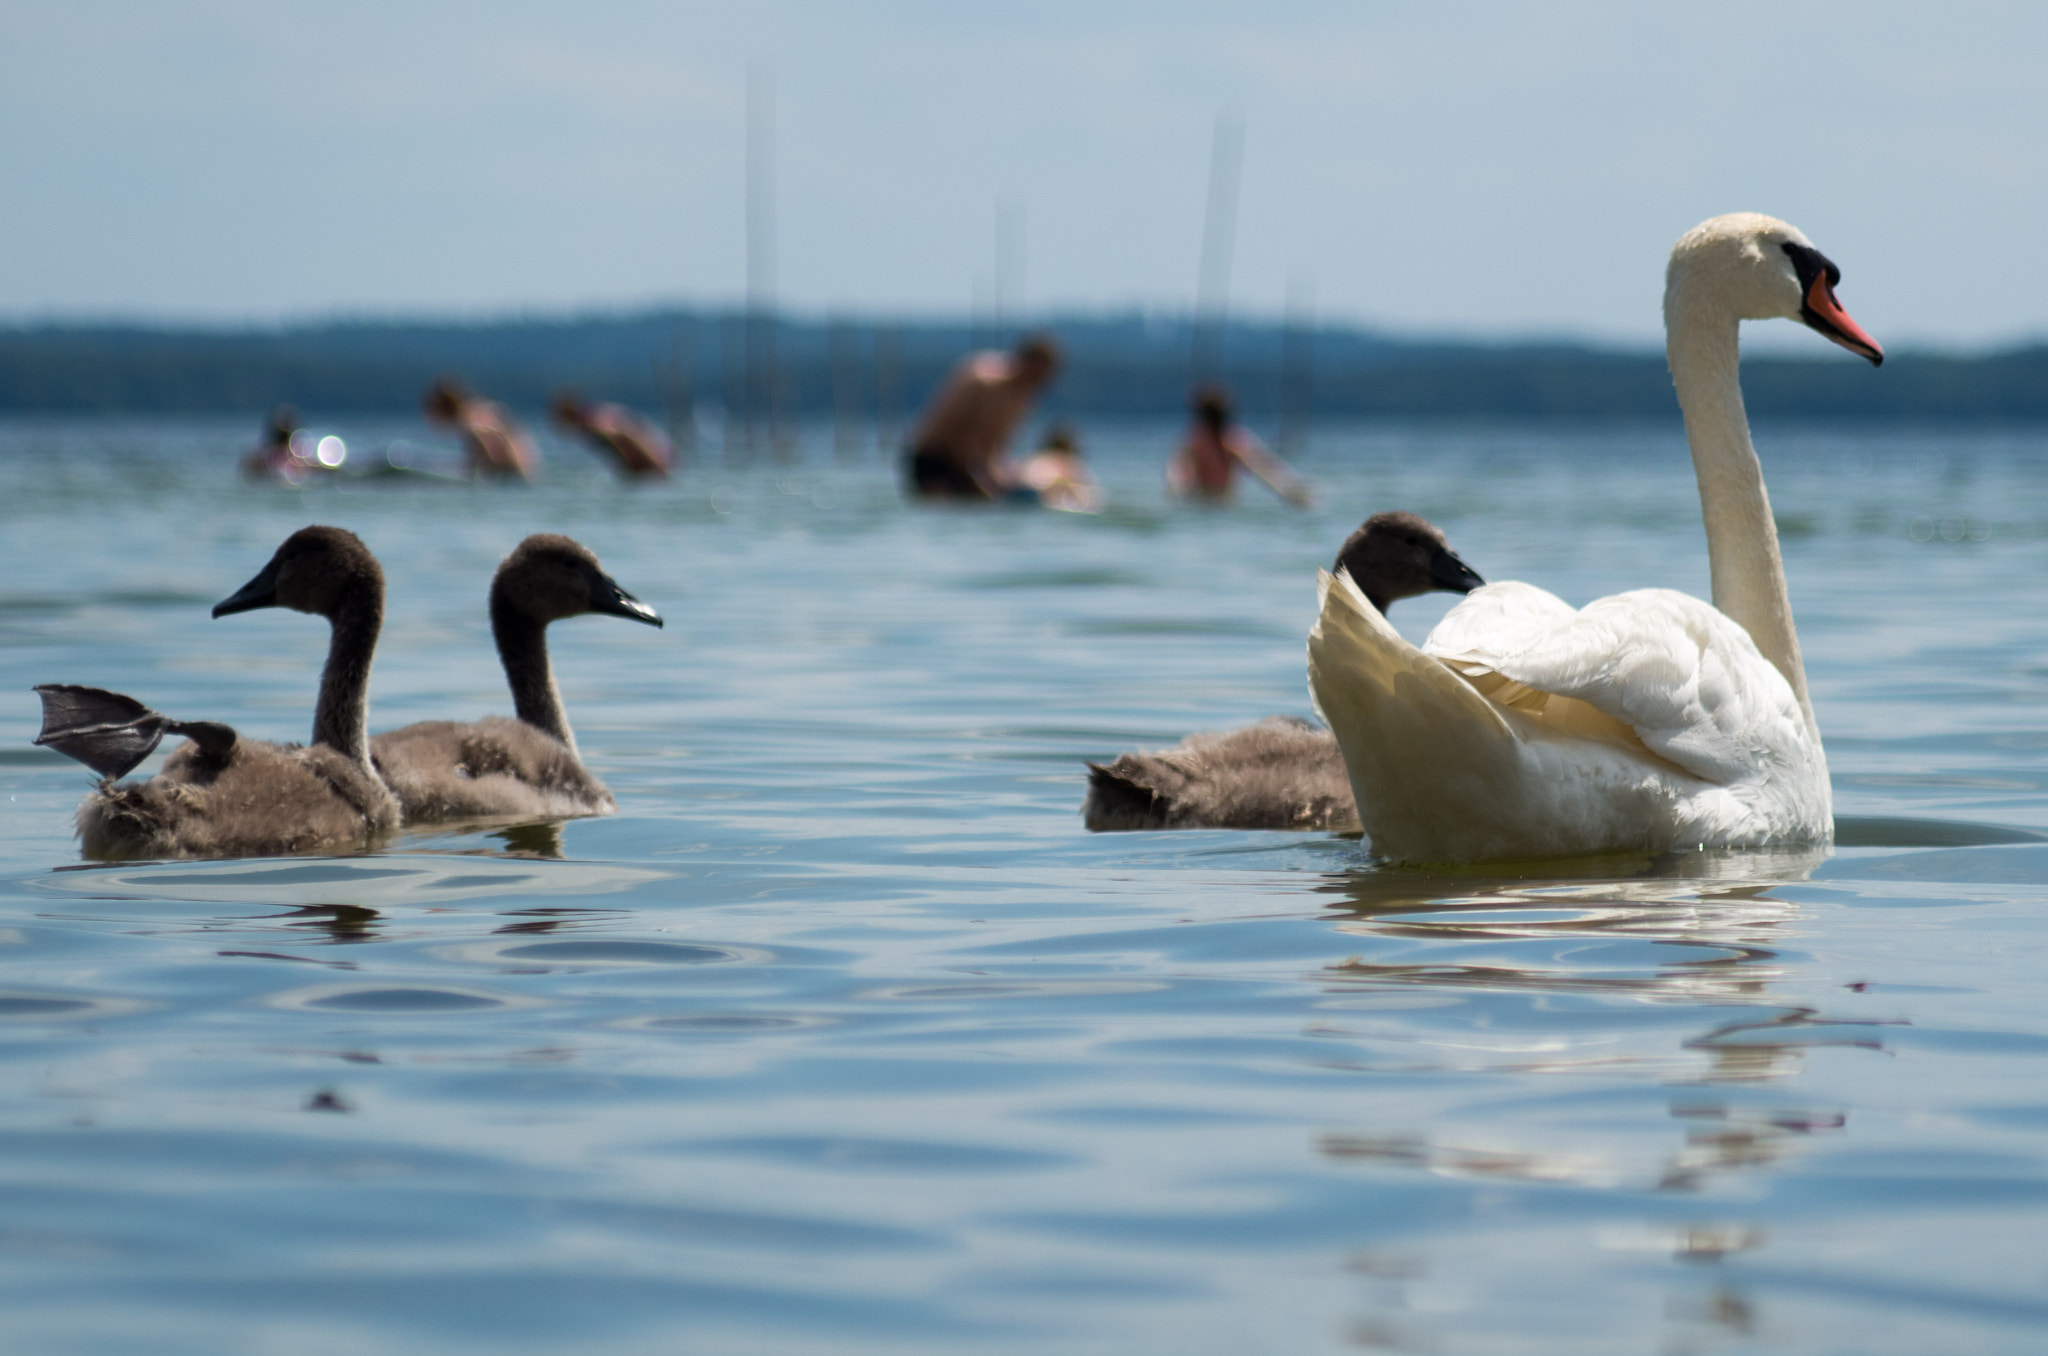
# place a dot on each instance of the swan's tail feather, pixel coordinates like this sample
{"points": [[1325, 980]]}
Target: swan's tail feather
{"points": [[110, 733], [1424, 751]]}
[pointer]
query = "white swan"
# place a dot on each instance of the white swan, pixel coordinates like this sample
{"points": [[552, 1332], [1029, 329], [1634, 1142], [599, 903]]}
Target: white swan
{"points": [[1644, 721]]}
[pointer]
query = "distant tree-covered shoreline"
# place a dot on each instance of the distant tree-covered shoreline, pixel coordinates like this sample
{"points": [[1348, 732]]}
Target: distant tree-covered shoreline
{"points": [[882, 370]]}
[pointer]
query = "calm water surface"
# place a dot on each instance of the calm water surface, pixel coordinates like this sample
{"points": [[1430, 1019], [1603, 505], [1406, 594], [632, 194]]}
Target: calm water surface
{"points": [[843, 1036]]}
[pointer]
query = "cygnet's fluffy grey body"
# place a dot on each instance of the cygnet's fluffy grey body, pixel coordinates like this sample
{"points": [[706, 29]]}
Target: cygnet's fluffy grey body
{"points": [[222, 796], [1283, 772], [497, 767]]}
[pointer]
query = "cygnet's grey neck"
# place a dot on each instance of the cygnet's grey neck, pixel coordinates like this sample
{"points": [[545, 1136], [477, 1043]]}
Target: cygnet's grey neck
{"points": [[341, 720], [1703, 350], [523, 649]]}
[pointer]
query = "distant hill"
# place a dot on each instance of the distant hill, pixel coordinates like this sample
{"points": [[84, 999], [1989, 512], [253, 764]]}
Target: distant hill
{"points": [[1128, 364]]}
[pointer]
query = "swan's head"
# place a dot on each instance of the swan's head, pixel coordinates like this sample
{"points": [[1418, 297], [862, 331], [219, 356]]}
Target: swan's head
{"points": [[548, 577], [318, 570], [1755, 267], [1398, 555]]}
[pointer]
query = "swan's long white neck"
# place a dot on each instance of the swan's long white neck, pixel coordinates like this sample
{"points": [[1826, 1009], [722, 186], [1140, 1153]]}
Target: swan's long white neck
{"points": [[1702, 348]]}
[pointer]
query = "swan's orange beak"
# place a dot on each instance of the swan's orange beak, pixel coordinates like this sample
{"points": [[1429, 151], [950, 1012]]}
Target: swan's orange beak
{"points": [[1824, 314]]}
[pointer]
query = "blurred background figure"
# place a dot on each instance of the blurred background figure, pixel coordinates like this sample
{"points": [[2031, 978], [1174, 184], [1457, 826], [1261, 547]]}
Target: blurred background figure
{"points": [[288, 454], [1216, 445], [492, 444], [637, 448], [272, 458], [1058, 475], [958, 449]]}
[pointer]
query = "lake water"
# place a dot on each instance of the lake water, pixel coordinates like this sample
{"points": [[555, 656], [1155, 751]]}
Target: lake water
{"points": [[843, 1036]]}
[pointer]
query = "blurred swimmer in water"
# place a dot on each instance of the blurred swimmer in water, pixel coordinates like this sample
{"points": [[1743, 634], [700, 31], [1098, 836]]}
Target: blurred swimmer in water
{"points": [[492, 444], [1216, 445], [288, 454], [637, 448], [959, 448], [272, 458], [1058, 475]]}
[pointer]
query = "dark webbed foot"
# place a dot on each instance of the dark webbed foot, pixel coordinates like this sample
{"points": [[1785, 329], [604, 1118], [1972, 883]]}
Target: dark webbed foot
{"points": [[110, 733]]}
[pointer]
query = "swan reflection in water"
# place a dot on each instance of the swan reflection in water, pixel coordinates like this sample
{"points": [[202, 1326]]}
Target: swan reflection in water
{"points": [[1707, 918], [343, 923], [541, 840], [518, 866], [1692, 930]]}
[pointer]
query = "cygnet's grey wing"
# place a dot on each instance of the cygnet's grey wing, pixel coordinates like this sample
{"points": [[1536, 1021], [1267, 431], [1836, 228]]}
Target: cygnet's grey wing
{"points": [[106, 731]]}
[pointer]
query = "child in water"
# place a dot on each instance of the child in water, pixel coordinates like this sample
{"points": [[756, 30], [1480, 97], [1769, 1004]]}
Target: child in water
{"points": [[287, 455], [1216, 445], [1058, 475]]}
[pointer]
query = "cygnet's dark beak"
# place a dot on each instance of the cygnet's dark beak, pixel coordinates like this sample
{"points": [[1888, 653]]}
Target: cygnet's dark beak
{"points": [[1451, 574], [607, 597], [258, 592]]}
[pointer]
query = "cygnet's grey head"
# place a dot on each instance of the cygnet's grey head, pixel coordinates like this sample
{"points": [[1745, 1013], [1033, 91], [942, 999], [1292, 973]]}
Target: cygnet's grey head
{"points": [[1398, 555], [317, 570], [548, 577]]}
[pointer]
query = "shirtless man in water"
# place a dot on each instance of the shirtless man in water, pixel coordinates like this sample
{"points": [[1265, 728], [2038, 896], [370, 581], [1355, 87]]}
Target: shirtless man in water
{"points": [[636, 446], [958, 449], [491, 442], [1216, 446]]}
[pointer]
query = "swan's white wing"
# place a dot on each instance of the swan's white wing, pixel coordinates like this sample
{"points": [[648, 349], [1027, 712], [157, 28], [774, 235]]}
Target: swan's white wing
{"points": [[1442, 770], [1408, 709], [1687, 680], [1502, 618]]}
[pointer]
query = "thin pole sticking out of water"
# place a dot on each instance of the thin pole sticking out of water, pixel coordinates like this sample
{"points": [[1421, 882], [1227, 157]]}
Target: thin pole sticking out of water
{"points": [[732, 384], [843, 363], [979, 328], [888, 388], [677, 396], [1219, 235], [1009, 299], [759, 396], [1297, 364]]}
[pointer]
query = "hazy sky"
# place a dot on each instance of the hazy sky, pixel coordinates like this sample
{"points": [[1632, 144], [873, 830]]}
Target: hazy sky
{"points": [[1480, 168]]}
